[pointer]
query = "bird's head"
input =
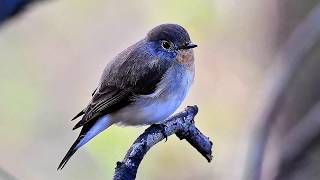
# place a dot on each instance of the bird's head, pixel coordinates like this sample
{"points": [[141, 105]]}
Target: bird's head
{"points": [[171, 41]]}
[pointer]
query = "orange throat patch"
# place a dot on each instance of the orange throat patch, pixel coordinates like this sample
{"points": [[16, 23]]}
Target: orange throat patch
{"points": [[186, 57]]}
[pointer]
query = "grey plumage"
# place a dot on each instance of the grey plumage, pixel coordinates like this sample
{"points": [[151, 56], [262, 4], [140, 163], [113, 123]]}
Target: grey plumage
{"points": [[130, 74], [142, 85]]}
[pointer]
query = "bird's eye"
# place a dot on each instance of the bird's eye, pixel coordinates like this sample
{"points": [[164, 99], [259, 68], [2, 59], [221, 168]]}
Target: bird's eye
{"points": [[165, 44]]}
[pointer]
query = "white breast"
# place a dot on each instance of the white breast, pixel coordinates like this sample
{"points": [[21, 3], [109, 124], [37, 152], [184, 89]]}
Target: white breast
{"points": [[156, 107]]}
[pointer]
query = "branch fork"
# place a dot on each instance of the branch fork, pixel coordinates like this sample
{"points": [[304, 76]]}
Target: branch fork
{"points": [[181, 124]]}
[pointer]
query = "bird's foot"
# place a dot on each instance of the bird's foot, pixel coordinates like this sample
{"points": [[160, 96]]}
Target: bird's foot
{"points": [[162, 129]]}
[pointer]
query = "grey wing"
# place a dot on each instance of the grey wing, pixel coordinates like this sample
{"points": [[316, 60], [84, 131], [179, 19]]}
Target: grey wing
{"points": [[83, 111], [129, 75], [105, 101]]}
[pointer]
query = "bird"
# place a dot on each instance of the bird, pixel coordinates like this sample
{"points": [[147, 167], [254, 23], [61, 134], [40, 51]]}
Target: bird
{"points": [[142, 85]]}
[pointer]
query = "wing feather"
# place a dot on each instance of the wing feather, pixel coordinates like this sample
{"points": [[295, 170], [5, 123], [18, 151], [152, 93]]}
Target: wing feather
{"points": [[132, 73], [105, 103]]}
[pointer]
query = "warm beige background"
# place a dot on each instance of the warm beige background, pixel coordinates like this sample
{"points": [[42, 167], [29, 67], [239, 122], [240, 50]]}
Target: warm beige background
{"points": [[51, 59]]}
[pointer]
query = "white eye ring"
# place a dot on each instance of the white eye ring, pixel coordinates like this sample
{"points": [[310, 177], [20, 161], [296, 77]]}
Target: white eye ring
{"points": [[165, 45]]}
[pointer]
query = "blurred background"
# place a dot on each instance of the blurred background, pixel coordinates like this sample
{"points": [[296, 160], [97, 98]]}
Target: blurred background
{"points": [[52, 56]]}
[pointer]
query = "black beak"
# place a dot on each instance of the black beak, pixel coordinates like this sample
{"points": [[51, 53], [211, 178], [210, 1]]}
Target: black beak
{"points": [[189, 46]]}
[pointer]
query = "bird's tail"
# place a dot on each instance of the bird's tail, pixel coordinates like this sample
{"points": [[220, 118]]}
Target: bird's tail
{"points": [[88, 131], [71, 151]]}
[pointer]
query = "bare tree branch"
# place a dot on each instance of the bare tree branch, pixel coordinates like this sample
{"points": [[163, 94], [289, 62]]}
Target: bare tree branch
{"points": [[182, 124], [302, 138], [12, 8], [289, 60]]}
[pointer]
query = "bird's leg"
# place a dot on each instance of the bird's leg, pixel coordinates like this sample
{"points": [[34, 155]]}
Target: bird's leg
{"points": [[162, 129]]}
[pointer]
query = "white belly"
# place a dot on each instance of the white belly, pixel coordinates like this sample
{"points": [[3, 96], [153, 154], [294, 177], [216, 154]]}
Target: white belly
{"points": [[156, 111], [158, 106]]}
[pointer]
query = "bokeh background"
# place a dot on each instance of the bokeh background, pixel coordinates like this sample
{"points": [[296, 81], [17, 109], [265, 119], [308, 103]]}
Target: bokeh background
{"points": [[52, 56]]}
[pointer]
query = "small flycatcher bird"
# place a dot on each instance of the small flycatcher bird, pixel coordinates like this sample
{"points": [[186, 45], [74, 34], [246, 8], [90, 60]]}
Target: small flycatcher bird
{"points": [[142, 85]]}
